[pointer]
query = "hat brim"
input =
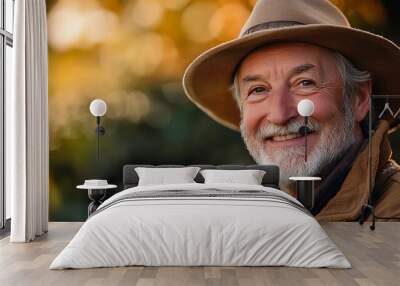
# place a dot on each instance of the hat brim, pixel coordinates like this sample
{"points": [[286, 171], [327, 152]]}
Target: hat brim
{"points": [[207, 80]]}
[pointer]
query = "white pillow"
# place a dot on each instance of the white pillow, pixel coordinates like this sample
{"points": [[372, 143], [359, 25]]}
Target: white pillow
{"points": [[161, 176], [248, 177]]}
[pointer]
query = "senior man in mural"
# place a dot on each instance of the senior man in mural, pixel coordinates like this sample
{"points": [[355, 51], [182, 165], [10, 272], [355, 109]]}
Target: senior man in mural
{"points": [[289, 50]]}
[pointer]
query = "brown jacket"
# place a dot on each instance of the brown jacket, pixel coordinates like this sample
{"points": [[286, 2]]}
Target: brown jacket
{"points": [[346, 205]]}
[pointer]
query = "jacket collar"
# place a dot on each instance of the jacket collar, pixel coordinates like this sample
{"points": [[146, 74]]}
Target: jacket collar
{"points": [[334, 176], [346, 205]]}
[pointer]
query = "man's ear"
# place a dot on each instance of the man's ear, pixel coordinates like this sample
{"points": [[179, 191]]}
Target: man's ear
{"points": [[361, 102]]}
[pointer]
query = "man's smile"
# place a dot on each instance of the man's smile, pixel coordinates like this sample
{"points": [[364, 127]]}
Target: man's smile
{"points": [[285, 137], [289, 139]]}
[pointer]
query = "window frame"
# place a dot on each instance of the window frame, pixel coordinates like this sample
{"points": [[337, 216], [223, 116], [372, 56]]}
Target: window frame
{"points": [[6, 39]]}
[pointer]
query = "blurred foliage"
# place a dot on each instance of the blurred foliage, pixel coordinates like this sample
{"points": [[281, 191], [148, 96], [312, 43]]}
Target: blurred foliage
{"points": [[132, 54]]}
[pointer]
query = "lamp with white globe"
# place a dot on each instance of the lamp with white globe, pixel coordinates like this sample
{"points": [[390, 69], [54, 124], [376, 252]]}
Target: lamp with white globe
{"points": [[305, 109], [305, 186], [98, 108], [97, 188]]}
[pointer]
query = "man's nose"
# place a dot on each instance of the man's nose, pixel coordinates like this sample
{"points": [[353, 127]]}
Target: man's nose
{"points": [[282, 107]]}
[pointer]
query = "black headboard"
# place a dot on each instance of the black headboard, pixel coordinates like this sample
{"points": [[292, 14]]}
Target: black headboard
{"points": [[270, 179]]}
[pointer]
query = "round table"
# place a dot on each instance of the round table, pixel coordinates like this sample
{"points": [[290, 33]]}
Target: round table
{"points": [[305, 190], [96, 194]]}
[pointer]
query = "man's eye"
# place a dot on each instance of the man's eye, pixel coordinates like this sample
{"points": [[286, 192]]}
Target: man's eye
{"points": [[257, 90], [307, 82]]}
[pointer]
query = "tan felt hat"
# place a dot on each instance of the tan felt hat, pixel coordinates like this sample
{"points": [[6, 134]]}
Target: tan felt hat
{"points": [[207, 80]]}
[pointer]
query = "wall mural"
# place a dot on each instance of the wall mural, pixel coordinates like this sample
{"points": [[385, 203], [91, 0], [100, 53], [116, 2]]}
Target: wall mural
{"points": [[132, 54]]}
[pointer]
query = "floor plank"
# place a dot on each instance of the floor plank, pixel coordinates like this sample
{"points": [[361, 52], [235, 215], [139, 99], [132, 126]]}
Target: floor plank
{"points": [[375, 257]]}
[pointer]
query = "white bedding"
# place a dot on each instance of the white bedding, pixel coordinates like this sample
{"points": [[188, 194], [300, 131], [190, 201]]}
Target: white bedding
{"points": [[183, 231]]}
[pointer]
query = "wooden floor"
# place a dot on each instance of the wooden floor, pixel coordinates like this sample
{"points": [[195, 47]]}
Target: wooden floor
{"points": [[375, 257]]}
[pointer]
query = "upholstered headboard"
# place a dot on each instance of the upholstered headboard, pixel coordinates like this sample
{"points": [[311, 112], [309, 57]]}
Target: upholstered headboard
{"points": [[270, 179]]}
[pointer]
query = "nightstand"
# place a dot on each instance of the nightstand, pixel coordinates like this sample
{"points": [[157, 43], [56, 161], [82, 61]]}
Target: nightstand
{"points": [[96, 193], [305, 190]]}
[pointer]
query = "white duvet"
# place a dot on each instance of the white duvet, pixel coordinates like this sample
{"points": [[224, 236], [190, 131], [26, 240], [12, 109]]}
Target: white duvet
{"points": [[200, 231]]}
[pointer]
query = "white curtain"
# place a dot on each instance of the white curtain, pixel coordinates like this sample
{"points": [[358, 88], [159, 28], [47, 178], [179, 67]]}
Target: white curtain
{"points": [[27, 155]]}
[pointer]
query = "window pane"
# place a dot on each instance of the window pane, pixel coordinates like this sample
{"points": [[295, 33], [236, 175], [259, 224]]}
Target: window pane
{"points": [[1, 14], [8, 81], [2, 195], [9, 15]]}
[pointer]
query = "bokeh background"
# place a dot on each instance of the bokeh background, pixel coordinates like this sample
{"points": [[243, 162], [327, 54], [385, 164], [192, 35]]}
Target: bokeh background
{"points": [[132, 54]]}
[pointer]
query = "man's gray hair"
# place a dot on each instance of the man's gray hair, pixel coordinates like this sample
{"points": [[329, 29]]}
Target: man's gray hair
{"points": [[351, 76]]}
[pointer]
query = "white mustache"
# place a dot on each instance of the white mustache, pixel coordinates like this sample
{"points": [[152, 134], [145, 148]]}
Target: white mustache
{"points": [[269, 130]]}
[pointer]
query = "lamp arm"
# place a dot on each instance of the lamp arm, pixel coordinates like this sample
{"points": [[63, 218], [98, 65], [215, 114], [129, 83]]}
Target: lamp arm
{"points": [[305, 137], [100, 131]]}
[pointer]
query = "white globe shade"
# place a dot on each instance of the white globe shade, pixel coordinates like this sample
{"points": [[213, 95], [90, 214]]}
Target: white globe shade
{"points": [[305, 107], [98, 107]]}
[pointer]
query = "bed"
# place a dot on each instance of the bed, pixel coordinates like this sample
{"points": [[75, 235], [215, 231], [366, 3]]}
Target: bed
{"points": [[201, 224]]}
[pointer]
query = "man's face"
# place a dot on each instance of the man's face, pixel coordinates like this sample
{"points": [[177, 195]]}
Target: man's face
{"points": [[272, 81]]}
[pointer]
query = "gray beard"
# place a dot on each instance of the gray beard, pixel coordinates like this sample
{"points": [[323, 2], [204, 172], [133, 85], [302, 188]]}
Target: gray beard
{"points": [[336, 137]]}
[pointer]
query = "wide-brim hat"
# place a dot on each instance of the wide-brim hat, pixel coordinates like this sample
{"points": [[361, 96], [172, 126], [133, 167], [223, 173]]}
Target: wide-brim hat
{"points": [[208, 79]]}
